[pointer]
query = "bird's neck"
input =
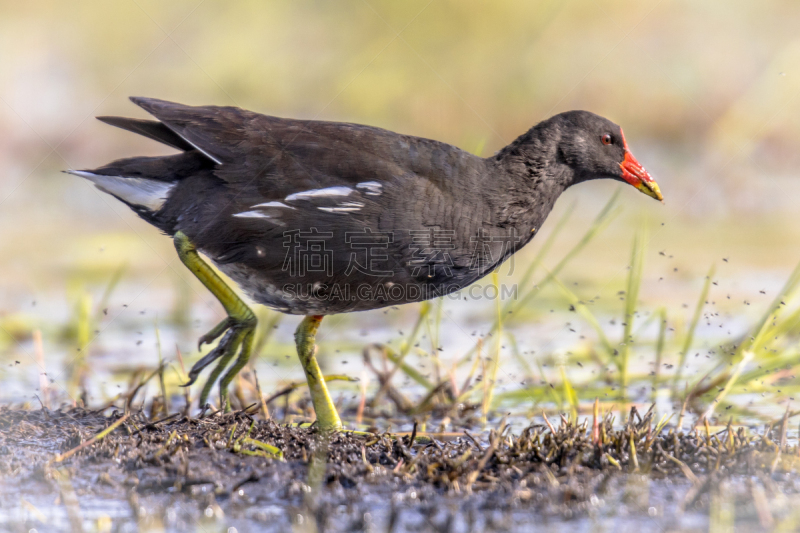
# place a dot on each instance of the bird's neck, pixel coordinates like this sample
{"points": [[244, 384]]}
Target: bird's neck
{"points": [[533, 171]]}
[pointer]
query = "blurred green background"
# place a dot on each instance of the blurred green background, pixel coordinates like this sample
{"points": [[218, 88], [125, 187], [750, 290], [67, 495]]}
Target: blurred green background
{"points": [[708, 94]]}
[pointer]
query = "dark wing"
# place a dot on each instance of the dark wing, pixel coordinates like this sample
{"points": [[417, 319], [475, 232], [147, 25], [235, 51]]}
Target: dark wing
{"points": [[151, 129], [282, 176], [218, 132], [403, 180], [294, 155]]}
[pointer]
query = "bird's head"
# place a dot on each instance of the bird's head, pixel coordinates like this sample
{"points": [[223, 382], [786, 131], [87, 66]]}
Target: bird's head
{"points": [[594, 147]]}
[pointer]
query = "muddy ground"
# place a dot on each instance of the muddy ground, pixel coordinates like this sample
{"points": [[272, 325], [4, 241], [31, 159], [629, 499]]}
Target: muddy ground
{"points": [[235, 471]]}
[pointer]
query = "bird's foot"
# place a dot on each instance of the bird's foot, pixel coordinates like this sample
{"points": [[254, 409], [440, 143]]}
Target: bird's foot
{"points": [[237, 337]]}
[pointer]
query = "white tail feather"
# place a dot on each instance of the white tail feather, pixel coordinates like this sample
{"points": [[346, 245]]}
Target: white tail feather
{"points": [[137, 191]]}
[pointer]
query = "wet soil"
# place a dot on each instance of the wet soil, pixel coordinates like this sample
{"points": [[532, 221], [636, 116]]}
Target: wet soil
{"points": [[236, 471]]}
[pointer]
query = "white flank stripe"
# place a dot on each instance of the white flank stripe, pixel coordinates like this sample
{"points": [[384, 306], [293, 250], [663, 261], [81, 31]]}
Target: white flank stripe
{"points": [[315, 193], [339, 209], [273, 204], [373, 188], [347, 207], [252, 214]]}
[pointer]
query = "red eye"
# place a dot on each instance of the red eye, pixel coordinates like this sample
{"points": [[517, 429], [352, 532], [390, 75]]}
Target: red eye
{"points": [[606, 139]]}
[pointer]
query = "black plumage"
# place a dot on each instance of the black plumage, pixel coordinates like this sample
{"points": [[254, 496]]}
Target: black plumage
{"points": [[313, 217]]}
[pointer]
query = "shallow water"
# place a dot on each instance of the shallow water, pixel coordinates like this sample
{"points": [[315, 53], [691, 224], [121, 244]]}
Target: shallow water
{"points": [[129, 336], [371, 514]]}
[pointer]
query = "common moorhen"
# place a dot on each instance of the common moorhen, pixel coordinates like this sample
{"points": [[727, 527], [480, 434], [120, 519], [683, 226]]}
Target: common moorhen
{"points": [[315, 218]]}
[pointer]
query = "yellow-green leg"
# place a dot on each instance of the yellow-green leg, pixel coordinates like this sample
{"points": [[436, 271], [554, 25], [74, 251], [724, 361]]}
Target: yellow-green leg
{"points": [[238, 327], [327, 417]]}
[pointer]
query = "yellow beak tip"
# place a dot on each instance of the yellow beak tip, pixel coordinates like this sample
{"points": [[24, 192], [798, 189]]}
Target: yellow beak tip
{"points": [[650, 188]]}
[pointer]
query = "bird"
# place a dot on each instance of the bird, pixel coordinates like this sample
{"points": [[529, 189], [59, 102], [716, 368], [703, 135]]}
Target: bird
{"points": [[316, 218]]}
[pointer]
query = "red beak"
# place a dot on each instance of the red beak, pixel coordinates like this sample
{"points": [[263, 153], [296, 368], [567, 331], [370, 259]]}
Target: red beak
{"points": [[635, 174]]}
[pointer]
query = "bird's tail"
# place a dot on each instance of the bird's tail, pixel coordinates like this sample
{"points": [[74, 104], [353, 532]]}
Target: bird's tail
{"points": [[146, 184], [140, 193]]}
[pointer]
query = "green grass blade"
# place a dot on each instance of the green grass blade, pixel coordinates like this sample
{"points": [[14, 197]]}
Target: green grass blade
{"points": [[495, 360], [765, 331], [512, 340], [543, 251], [662, 332], [583, 310], [631, 299], [267, 448], [602, 220], [569, 393], [109, 290], [687, 342], [731, 381]]}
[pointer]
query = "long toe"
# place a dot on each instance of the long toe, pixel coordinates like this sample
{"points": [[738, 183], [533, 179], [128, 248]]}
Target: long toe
{"points": [[218, 330], [210, 357]]}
